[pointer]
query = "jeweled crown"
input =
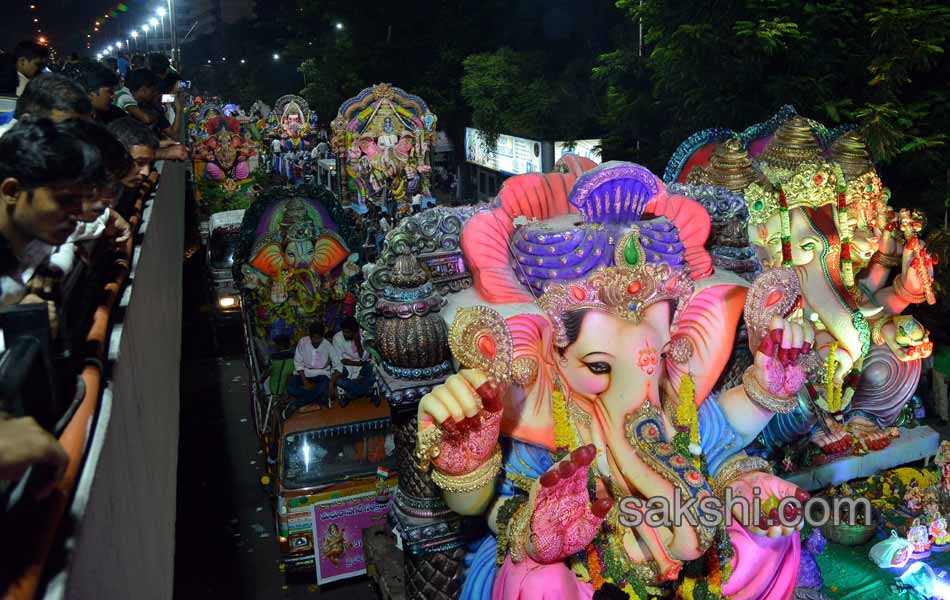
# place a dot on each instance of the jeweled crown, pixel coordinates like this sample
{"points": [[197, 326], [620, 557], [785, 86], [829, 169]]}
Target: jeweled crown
{"points": [[811, 185], [624, 292]]}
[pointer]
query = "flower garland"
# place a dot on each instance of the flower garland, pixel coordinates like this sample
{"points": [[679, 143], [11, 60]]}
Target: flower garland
{"points": [[786, 224], [563, 433], [833, 390], [687, 419], [847, 267]]}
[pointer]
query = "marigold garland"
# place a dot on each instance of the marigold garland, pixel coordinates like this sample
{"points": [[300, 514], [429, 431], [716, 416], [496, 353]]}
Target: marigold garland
{"points": [[593, 567], [832, 390], [686, 589], [563, 436], [687, 418]]}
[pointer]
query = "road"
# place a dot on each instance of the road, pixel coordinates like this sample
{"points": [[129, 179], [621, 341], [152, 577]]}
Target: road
{"points": [[226, 545]]}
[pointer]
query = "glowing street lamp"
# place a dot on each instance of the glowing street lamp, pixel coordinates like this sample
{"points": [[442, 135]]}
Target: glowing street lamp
{"points": [[276, 56], [161, 12], [339, 26], [145, 31]]}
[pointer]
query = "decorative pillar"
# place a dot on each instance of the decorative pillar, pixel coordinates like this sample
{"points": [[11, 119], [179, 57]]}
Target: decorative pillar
{"points": [[412, 339]]}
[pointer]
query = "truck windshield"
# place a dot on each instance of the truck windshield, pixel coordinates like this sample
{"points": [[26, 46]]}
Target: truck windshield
{"points": [[310, 459], [223, 243]]}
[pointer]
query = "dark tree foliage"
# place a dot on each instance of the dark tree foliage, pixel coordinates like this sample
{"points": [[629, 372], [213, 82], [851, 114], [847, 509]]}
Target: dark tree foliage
{"points": [[878, 63]]}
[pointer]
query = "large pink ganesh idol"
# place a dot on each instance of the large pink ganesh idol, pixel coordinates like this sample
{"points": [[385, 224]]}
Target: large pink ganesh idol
{"points": [[592, 340]]}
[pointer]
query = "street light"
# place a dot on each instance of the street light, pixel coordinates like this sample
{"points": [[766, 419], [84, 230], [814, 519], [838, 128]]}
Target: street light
{"points": [[242, 61], [276, 56], [339, 26], [145, 31], [161, 12]]}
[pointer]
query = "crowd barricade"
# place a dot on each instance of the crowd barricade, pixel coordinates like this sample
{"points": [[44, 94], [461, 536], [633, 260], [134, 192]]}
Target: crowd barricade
{"points": [[39, 545]]}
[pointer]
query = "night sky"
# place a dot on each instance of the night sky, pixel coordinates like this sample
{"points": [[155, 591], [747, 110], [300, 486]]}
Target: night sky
{"points": [[65, 23]]}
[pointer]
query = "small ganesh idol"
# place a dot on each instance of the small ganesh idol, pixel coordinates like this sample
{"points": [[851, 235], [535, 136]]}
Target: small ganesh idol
{"points": [[938, 530], [591, 345], [919, 536]]}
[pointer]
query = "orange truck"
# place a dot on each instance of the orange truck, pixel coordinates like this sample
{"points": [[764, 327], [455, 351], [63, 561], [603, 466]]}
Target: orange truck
{"points": [[332, 480]]}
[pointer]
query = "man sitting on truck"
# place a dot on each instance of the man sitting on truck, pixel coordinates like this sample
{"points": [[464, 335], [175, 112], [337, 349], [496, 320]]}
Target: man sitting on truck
{"points": [[314, 362], [357, 377]]}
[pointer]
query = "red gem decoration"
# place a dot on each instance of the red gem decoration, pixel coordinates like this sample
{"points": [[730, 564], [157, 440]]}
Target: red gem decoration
{"points": [[634, 288], [578, 293], [819, 178], [773, 298], [486, 345], [845, 251]]}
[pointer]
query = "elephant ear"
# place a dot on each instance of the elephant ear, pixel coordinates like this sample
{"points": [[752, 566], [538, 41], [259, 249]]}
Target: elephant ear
{"points": [[706, 330], [328, 253], [269, 260], [528, 414]]}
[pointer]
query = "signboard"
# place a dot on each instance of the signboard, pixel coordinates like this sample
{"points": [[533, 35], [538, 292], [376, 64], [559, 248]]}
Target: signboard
{"points": [[586, 148], [511, 155], [338, 534]]}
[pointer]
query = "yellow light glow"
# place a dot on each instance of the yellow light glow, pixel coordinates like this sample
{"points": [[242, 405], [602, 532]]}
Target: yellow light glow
{"points": [[227, 302]]}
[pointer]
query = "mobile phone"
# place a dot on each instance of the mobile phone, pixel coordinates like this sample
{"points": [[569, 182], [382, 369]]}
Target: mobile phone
{"points": [[168, 98], [184, 85]]}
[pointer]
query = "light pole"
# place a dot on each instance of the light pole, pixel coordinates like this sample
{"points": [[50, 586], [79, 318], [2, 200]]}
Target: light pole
{"points": [[154, 23], [135, 37], [145, 31], [161, 15], [176, 51]]}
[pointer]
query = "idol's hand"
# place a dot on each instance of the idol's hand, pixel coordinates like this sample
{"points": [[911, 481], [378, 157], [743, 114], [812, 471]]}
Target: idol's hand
{"points": [[769, 491], [777, 367], [563, 518], [467, 411]]}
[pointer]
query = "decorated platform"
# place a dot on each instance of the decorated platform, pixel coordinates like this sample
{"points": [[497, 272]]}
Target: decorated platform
{"points": [[913, 444]]}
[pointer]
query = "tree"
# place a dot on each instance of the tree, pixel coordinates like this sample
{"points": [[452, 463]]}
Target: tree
{"points": [[877, 63]]}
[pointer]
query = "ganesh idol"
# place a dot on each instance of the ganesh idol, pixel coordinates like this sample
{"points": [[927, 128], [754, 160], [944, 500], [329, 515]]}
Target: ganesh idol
{"points": [[860, 265], [591, 345]]}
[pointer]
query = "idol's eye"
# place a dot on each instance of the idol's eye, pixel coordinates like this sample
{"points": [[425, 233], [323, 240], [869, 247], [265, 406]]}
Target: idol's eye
{"points": [[807, 246], [598, 368], [775, 241]]}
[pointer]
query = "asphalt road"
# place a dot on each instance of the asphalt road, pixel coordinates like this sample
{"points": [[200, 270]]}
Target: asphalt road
{"points": [[226, 544]]}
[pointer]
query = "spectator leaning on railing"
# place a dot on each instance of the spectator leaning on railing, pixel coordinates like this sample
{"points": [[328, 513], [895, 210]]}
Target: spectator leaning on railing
{"points": [[46, 171], [141, 144]]}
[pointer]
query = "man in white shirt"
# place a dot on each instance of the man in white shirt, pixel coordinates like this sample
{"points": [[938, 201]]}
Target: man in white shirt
{"points": [[315, 361], [30, 60], [357, 379]]}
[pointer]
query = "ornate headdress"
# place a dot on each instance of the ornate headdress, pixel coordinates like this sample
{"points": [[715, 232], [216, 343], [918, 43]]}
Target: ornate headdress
{"points": [[624, 292], [811, 185], [301, 232], [729, 167]]}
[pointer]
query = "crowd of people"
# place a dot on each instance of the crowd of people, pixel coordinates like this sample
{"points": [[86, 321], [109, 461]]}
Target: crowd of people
{"points": [[75, 156]]}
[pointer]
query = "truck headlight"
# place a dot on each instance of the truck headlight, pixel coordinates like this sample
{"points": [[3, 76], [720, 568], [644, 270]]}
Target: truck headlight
{"points": [[227, 301]]}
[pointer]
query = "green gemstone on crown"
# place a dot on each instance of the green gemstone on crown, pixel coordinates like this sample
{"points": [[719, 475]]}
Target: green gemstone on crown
{"points": [[631, 254], [758, 205]]}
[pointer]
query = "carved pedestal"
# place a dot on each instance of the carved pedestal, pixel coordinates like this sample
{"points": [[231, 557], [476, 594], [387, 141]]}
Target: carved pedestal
{"points": [[412, 340], [433, 536]]}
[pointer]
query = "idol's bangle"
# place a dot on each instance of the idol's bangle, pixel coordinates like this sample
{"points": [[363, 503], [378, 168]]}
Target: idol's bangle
{"points": [[735, 467], [876, 335], [507, 510], [904, 294], [427, 446], [763, 398], [888, 261], [518, 529], [469, 482]]}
